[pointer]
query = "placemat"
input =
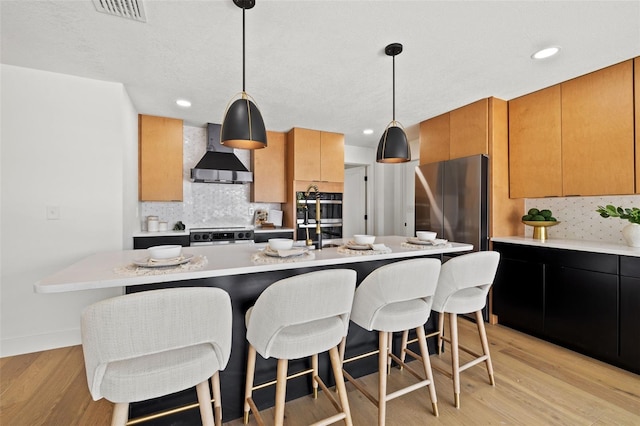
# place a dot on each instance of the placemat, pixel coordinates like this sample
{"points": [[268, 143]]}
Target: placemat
{"points": [[260, 257], [410, 246], [134, 270], [351, 252]]}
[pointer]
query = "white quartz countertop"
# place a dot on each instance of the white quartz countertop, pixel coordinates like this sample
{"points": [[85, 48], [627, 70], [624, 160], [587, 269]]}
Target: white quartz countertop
{"points": [[579, 245], [100, 270]]}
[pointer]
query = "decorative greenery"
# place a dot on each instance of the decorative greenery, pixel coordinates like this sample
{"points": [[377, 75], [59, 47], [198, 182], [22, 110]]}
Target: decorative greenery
{"points": [[632, 214]]}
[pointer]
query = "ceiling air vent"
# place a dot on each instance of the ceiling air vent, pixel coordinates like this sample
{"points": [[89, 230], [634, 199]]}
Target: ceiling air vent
{"points": [[131, 9]]}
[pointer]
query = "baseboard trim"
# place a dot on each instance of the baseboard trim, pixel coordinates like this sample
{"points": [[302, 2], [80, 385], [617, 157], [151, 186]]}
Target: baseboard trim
{"points": [[39, 342]]}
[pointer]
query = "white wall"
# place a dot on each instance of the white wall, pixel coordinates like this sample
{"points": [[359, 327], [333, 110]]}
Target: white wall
{"points": [[67, 142]]}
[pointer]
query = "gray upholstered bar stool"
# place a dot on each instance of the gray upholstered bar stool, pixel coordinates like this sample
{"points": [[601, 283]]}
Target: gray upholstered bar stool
{"points": [[396, 297], [462, 289], [300, 317], [154, 343]]}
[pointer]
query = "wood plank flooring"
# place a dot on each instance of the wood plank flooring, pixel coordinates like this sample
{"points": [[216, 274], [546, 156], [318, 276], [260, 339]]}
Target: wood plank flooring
{"points": [[537, 383]]}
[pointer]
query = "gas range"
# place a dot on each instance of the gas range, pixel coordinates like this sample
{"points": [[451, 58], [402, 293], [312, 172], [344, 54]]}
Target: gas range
{"points": [[207, 236]]}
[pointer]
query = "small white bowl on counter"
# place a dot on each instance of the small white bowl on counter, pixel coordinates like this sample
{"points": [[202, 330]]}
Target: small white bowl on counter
{"points": [[426, 235], [164, 252], [364, 239], [280, 243]]}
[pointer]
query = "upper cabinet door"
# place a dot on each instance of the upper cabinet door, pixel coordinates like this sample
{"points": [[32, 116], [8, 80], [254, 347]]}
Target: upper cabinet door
{"points": [[434, 139], [535, 145], [469, 130], [270, 171], [597, 132], [304, 151], [160, 158], [636, 85], [331, 157]]}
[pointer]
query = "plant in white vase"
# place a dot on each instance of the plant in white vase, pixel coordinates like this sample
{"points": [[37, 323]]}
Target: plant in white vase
{"points": [[631, 232]]}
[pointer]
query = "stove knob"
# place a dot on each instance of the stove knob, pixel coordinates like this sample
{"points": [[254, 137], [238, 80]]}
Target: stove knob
{"points": [[205, 236], [240, 235], [196, 237]]}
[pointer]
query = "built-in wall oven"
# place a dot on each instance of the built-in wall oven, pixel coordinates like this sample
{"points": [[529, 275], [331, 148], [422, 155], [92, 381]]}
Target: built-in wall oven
{"points": [[220, 235], [330, 215]]}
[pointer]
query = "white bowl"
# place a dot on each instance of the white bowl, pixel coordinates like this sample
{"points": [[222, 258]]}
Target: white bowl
{"points": [[426, 235], [164, 252], [364, 239], [280, 243]]}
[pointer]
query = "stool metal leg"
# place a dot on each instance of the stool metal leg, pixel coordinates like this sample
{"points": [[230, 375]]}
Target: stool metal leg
{"points": [[485, 346], [281, 391], [455, 358], [248, 387]]}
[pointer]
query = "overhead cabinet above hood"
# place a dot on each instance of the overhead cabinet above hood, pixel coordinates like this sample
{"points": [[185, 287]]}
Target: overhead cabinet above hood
{"points": [[219, 164]]}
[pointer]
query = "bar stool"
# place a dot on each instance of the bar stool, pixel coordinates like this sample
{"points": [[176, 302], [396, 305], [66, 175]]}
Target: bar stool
{"points": [[462, 289], [395, 297], [145, 345], [300, 317]]}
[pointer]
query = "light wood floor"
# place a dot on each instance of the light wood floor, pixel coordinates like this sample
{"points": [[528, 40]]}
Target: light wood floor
{"points": [[536, 384]]}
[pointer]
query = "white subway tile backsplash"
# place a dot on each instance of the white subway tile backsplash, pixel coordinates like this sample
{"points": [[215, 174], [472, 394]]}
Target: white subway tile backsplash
{"points": [[579, 218], [205, 204]]}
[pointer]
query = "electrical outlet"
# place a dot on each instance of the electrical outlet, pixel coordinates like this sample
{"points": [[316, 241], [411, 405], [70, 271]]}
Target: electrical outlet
{"points": [[250, 211], [53, 213]]}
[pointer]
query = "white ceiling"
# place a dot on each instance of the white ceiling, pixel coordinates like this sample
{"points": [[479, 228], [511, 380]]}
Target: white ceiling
{"points": [[321, 64]]}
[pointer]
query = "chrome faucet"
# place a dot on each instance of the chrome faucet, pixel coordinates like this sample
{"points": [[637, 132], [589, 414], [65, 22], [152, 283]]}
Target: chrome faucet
{"points": [[313, 188]]}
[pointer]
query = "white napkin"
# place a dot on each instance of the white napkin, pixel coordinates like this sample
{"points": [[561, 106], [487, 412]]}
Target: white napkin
{"points": [[378, 246], [291, 252]]}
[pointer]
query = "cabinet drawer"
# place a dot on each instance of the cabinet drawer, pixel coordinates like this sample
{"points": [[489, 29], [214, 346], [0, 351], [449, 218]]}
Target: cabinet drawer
{"points": [[630, 266]]}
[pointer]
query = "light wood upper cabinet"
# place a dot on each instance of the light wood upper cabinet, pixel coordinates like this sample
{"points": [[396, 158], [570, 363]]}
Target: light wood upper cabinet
{"points": [[456, 134], [331, 157], [160, 158], [315, 156], [270, 170], [469, 130], [636, 85], [434, 139], [535, 154], [597, 132]]}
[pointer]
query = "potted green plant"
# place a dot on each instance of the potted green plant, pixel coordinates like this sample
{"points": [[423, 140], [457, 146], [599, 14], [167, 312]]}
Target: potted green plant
{"points": [[631, 232]]}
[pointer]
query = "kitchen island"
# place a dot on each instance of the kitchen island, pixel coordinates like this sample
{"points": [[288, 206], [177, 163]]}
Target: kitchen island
{"points": [[231, 268]]}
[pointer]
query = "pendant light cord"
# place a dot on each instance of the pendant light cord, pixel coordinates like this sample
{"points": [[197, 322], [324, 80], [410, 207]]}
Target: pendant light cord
{"points": [[243, 54], [394, 89]]}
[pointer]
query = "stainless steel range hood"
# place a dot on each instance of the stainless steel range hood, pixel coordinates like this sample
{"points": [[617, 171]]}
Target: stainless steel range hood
{"points": [[219, 164]]}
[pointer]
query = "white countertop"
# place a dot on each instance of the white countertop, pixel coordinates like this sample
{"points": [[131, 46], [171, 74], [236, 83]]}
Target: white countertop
{"points": [[99, 270], [579, 245]]}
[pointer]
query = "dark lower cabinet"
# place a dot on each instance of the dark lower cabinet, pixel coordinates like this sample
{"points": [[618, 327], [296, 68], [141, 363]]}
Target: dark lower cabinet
{"points": [[146, 242], [581, 310], [588, 302], [518, 295], [630, 312]]}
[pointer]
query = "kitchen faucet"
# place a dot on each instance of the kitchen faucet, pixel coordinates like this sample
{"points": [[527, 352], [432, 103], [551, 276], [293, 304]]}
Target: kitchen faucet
{"points": [[313, 188]]}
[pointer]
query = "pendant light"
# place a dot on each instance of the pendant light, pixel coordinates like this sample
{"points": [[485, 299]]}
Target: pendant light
{"points": [[243, 126], [393, 146]]}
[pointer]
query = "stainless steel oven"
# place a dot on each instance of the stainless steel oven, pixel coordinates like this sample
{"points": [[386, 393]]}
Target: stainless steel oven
{"points": [[330, 215]]}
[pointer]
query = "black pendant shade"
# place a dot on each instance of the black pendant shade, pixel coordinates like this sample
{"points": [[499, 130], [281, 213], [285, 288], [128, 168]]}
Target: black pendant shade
{"points": [[243, 126], [393, 146]]}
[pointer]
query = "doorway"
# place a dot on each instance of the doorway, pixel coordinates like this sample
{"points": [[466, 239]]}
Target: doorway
{"points": [[354, 203]]}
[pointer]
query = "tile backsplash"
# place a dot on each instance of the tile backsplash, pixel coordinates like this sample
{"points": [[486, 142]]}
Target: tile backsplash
{"points": [[579, 218], [205, 204]]}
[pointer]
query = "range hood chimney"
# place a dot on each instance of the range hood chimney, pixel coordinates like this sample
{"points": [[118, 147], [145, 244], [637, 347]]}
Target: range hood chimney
{"points": [[219, 164]]}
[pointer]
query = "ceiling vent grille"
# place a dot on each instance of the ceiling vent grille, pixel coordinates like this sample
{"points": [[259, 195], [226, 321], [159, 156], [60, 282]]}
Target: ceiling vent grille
{"points": [[131, 9]]}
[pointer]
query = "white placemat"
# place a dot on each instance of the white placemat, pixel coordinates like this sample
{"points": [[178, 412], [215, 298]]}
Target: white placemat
{"points": [[133, 270], [352, 252]]}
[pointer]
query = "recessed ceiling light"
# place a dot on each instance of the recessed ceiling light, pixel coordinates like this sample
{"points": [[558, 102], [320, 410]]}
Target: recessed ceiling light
{"points": [[368, 131], [183, 103], [546, 52]]}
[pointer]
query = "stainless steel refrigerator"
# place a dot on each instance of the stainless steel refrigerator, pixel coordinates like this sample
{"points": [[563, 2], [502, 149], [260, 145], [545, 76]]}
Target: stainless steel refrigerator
{"points": [[452, 198]]}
